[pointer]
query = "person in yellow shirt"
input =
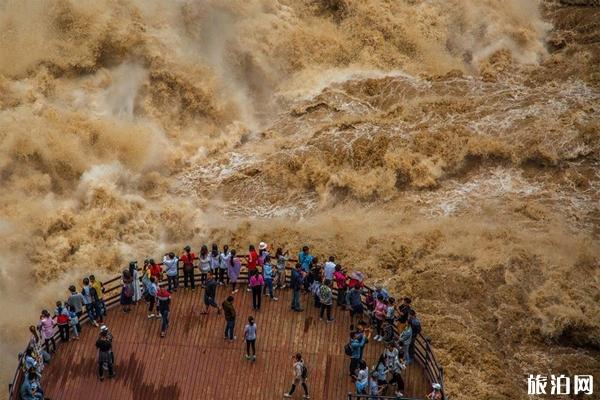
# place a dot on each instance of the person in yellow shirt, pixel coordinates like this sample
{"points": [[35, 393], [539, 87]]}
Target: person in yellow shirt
{"points": [[96, 284]]}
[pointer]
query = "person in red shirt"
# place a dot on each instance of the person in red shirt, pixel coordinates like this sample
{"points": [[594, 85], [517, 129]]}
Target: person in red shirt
{"points": [[341, 282], [155, 270], [187, 259], [252, 262]]}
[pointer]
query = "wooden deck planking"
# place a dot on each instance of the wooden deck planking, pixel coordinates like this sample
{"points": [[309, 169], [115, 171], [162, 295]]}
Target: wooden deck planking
{"points": [[194, 361]]}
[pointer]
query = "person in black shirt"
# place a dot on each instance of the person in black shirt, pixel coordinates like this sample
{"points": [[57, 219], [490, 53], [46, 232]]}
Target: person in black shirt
{"points": [[404, 310], [210, 293], [105, 358]]}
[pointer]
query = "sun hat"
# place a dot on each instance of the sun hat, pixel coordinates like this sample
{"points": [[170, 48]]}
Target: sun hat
{"points": [[262, 246]]}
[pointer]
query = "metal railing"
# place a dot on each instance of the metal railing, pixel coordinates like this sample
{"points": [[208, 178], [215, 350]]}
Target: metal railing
{"points": [[352, 396], [112, 294]]}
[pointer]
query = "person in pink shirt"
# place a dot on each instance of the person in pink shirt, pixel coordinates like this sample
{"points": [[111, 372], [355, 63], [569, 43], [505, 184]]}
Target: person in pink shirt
{"points": [[380, 312], [46, 327], [256, 284], [340, 279]]}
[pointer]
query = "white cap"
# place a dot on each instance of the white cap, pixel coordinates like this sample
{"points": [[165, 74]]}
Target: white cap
{"points": [[103, 328], [262, 246], [437, 386]]}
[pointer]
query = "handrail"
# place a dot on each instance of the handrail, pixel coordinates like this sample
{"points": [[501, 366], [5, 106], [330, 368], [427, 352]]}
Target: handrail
{"points": [[352, 396], [423, 352]]}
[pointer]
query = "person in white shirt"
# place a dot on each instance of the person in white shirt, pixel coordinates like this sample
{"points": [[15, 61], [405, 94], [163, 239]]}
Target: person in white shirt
{"points": [[300, 375], [329, 268], [224, 261], [171, 262]]}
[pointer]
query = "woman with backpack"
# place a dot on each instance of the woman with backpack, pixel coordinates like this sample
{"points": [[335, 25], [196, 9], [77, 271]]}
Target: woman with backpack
{"points": [[250, 337], [300, 376]]}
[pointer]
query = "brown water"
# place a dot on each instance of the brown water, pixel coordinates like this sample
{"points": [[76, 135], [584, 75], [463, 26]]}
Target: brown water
{"points": [[450, 149]]}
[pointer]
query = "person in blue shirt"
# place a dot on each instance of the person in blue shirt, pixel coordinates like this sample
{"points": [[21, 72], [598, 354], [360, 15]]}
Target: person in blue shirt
{"points": [[305, 258], [30, 388], [296, 283], [268, 277], [356, 344]]}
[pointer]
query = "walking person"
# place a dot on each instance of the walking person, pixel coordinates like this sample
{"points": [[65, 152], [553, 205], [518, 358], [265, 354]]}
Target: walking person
{"points": [[210, 293], [46, 326], [171, 263], [356, 350], [268, 278], [61, 314], [296, 283], [204, 264], [300, 377], [326, 300], [187, 259], [105, 356], [379, 315], [395, 366], [164, 304], [415, 325], [229, 312], [256, 284], [250, 337], [281, 259], [99, 287], [233, 271], [224, 261], [362, 378], [405, 338], [150, 296]]}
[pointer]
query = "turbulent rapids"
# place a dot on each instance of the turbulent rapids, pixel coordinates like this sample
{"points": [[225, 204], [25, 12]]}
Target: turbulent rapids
{"points": [[449, 149]]}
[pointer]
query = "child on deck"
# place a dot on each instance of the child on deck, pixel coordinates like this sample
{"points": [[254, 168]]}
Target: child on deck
{"points": [[73, 321]]}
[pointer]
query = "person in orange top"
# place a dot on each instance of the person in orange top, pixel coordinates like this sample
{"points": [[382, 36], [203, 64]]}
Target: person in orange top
{"points": [[187, 258]]}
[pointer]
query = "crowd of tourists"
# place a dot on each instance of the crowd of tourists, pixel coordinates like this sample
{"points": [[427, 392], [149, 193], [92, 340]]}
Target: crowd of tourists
{"points": [[375, 315]]}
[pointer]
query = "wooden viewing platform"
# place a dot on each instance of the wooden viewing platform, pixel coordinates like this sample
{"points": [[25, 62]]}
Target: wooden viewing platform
{"points": [[194, 361]]}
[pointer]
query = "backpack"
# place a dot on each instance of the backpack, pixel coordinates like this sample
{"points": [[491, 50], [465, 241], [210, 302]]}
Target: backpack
{"points": [[348, 349], [127, 291], [304, 372]]}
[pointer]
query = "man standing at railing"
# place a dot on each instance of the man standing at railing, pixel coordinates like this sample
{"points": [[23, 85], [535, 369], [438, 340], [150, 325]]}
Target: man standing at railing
{"points": [[187, 258], [170, 261], [296, 282], [96, 284], [305, 258]]}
